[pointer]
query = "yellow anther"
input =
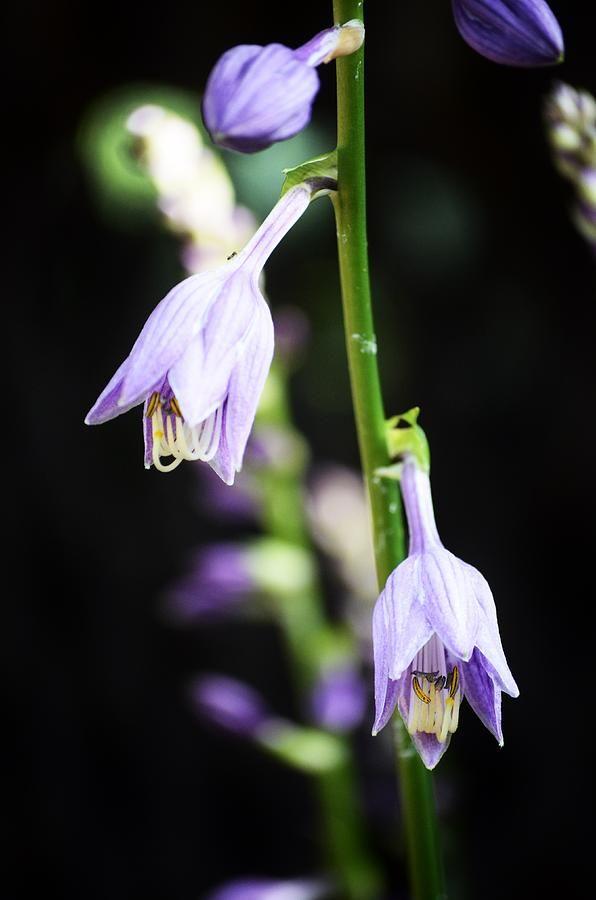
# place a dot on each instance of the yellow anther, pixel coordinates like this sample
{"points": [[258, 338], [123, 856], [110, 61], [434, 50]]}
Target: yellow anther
{"points": [[418, 690], [175, 407], [153, 404], [454, 682]]}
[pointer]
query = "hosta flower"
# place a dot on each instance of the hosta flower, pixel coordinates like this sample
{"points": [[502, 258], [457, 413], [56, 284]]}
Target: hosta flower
{"points": [[200, 363], [435, 633], [257, 95], [270, 889], [231, 704], [338, 700], [571, 121], [512, 32]]}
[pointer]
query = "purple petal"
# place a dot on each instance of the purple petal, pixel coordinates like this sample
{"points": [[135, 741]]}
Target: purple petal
{"points": [[106, 406], [268, 889], [429, 748], [405, 621], [512, 32], [488, 639], [223, 463], [247, 382], [482, 693], [168, 331], [449, 600], [201, 376], [385, 689]]}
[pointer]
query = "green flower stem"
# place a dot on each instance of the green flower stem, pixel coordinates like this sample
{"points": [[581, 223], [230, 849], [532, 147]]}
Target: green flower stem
{"points": [[418, 807], [302, 618]]}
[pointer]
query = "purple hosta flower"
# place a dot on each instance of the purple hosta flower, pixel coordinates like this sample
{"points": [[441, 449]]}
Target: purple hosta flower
{"points": [[270, 889], [229, 703], [339, 699], [435, 635], [218, 582], [257, 95], [571, 122], [585, 213], [201, 360], [512, 32]]}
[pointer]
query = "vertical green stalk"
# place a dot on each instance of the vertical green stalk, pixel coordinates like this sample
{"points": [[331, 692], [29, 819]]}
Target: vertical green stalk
{"points": [[303, 620], [416, 789]]}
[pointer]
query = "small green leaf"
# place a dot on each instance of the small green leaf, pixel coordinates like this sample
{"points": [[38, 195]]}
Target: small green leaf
{"points": [[321, 167], [307, 749]]}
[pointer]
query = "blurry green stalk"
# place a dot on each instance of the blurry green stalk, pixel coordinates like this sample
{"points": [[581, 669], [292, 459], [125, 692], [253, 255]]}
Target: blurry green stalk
{"points": [[416, 789], [302, 617]]}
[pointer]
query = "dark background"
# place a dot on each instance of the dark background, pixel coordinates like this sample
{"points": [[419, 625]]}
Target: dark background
{"points": [[485, 299]]}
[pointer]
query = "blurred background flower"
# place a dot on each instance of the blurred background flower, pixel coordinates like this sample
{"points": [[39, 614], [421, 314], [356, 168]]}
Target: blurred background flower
{"points": [[486, 317]]}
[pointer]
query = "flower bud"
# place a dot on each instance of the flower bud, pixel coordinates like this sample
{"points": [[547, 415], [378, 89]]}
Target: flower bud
{"points": [[512, 32], [229, 703], [218, 581], [339, 699], [257, 95]]}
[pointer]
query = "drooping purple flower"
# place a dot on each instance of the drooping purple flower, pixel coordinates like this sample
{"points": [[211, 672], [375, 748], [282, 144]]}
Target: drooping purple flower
{"points": [[258, 95], [512, 32], [270, 889], [219, 580], [435, 634], [231, 704], [200, 363], [339, 699]]}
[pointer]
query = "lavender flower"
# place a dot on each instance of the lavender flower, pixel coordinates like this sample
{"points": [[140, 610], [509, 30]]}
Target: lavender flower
{"points": [[268, 889], [571, 123], [339, 699], [513, 32], [257, 95], [201, 360], [231, 704], [219, 581], [435, 635]]}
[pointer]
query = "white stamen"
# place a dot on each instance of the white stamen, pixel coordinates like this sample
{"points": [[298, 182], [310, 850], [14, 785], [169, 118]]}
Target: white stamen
{"points": [[441, 715], [175, 438]]}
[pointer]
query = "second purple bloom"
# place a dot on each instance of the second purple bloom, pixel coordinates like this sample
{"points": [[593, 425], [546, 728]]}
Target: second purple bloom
{"points": [[256, 96]]}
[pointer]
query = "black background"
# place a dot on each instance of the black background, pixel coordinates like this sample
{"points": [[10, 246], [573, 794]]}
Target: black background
{"points": [[485, 321]]}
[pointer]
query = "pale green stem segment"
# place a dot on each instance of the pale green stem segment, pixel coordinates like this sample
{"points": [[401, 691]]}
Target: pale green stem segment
{"points": [[416, 789], [302, 617]]}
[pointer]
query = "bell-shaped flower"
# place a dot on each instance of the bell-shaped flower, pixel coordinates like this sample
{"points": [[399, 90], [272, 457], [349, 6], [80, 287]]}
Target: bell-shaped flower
{"points": [[231, 704], [435, 635], [258, 95], [271, 889], [512, 32], [200, 363]]}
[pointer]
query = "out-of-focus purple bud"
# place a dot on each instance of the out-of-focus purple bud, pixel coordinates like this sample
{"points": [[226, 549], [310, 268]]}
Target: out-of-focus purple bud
{"points": [[339, 699], [292, 331], [512, 32], [240, 505], [231, 704], [268, 889], [256, 96], [218, 581]]}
